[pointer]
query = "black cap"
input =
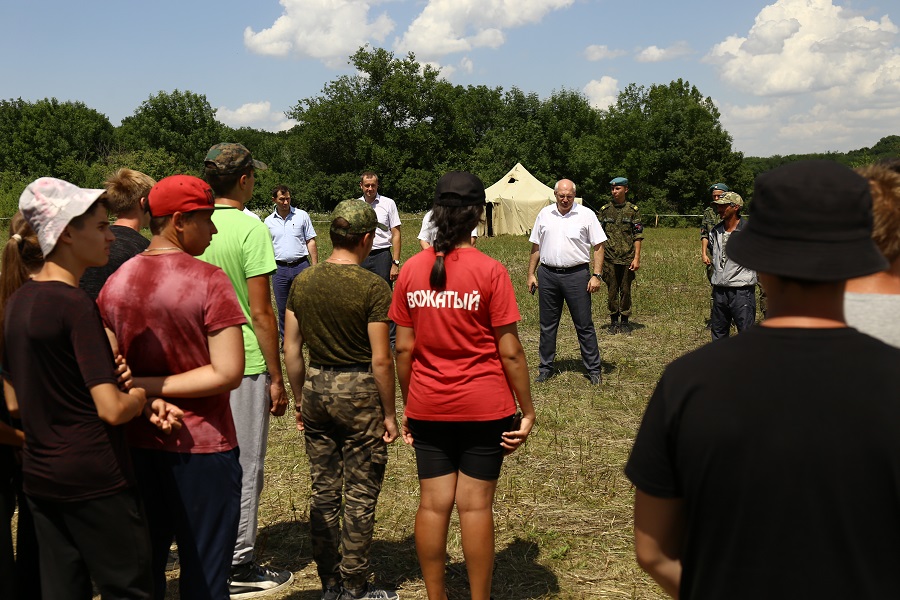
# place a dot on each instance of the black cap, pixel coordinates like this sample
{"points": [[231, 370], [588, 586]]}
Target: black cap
{"points": [[459, 188]]}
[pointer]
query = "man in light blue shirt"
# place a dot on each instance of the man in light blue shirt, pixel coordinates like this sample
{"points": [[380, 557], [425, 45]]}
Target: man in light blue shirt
{"points": [[294, 240]]}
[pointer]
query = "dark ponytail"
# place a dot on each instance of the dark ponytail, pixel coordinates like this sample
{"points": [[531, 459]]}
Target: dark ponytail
{"points": [[453, 226]]}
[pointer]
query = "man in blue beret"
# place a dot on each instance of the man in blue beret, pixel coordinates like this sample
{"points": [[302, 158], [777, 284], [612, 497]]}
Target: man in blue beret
{"points": [[621, 220]]}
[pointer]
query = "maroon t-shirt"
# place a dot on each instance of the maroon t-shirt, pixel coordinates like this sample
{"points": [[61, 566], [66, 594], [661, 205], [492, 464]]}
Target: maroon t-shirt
{"points": [[55, 351], [162, 308]]}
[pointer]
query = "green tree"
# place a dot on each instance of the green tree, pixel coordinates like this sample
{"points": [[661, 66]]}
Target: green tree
{"points": [[180, 123], [669, 142], [52, 138]]}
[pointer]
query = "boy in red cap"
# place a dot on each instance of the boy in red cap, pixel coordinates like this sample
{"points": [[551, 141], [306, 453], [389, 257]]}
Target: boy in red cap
{"points": [[178, 323]]}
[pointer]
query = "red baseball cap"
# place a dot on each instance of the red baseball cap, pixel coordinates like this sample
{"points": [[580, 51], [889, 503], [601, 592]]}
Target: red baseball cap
{"points": [[180, 193]]}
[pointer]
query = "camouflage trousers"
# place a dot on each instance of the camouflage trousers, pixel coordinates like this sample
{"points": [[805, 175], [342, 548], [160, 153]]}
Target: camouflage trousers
{"points": [[344, 425], [618, 280]]}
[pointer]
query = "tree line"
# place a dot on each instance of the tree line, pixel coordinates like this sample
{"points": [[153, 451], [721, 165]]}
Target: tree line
{"points": [[402, 120]]}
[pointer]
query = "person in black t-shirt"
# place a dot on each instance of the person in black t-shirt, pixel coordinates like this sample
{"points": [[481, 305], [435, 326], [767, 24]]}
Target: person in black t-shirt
{"points": [[126, 195], [781, 482]]}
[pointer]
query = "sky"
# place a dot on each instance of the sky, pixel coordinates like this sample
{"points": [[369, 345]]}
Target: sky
{"points": [[788, 76]]}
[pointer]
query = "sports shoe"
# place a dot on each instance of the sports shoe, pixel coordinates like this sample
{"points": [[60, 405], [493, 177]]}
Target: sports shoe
{"points": [[370, 592], [331, 592], [251, 580]]}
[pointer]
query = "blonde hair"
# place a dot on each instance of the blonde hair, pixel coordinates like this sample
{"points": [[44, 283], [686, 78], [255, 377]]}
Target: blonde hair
{"points": [[125, 188]]}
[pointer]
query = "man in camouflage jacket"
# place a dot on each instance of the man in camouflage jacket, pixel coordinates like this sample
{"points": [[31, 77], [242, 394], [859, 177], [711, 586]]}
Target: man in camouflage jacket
{"points": [[621, 220]]}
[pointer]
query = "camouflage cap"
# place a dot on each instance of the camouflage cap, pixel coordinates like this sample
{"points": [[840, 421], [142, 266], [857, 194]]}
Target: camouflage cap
{"points": [[729, 198], [358, 214], [228, 158]]}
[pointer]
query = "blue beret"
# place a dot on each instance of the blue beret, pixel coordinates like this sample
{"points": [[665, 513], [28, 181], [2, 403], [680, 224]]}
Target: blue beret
{"points": [[719, 186], [619, 181]]}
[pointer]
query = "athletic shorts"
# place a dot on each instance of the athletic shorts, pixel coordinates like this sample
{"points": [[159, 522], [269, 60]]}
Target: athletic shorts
{"points": [[469, 447]]}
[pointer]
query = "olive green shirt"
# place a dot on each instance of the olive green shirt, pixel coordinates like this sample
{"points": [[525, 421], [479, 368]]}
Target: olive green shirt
{"points": [[334, 305], [623, 227]]}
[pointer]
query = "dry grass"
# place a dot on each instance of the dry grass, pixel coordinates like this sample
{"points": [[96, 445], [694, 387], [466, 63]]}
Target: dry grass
{"points": [[563, 507]]}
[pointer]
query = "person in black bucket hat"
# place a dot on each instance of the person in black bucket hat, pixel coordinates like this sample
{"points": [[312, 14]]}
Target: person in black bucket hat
{"points": [[780, 479]]}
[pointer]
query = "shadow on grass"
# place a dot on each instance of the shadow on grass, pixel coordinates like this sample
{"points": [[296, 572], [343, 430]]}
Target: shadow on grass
{"points": [[574, 365]]}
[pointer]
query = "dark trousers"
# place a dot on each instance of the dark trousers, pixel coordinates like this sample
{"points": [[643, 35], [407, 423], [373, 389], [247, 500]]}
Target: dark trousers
{"points": [[19, 573], [571, 288], [618, 280], [281, 286], [732, 304], [104, 539], [380, 262], [195, 499]]}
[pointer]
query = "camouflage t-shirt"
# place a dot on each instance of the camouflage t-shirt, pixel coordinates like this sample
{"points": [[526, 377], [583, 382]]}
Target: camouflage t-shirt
{"points": [[334, 305], [710, 219], [622, 224]]}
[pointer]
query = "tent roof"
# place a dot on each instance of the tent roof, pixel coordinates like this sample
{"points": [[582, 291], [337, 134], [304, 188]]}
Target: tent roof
{"points": [[518, 184]]}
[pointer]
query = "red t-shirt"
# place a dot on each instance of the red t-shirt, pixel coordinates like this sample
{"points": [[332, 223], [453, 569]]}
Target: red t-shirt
{"points": [[162, 308], [456, 370]]}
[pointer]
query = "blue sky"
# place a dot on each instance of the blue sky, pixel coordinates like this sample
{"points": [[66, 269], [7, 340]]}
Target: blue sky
{"points": [[788, 76]]}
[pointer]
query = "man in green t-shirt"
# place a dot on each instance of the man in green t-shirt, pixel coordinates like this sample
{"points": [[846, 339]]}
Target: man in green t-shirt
{"points": [[346, 408], [242, 247]]}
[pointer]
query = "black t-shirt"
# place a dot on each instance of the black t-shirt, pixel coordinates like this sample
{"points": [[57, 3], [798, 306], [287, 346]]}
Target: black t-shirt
{"points": [[55, 351], [788, 463], [127, 244]]}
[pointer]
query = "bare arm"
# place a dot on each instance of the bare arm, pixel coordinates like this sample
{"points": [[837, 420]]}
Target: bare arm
{"points": [[313, 251], [223, 374], [383, 369], [594, 282], [512, 356], [533, 260], [636, 261], [658, 538], [12, 403], [116, 407], [11, 436], [425, 245], [294, 364], [395, 251], [403, 348], [704, 244], [266, 329]]}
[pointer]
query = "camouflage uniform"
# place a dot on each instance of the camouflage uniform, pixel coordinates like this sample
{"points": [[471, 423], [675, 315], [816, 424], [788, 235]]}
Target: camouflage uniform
{"points": [[342, 414], [623, 227]]}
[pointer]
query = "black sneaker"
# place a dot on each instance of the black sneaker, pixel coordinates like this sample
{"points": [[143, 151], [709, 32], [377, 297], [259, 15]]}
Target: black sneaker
{"points": [[370, 592], [594, 378], [544, 376], [251, 580]]}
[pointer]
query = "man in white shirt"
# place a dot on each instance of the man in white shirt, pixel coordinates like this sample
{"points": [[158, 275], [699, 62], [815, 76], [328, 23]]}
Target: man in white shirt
{"points": [[428, 231], [384, 259], [561, 241]]}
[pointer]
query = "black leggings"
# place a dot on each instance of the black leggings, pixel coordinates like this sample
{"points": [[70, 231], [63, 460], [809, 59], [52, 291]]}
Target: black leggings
{"points": [[469, 447]]}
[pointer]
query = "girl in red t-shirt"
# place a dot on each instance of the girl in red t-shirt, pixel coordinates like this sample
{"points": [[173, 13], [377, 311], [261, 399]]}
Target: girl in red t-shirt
{"points": [[461, 369]]}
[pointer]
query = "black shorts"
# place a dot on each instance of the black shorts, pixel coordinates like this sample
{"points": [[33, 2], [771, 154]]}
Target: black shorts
{"points": [[469, 447]]}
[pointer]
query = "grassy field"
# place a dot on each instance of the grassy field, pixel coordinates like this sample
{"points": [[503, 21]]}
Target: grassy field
{"points": [[563, 508]]}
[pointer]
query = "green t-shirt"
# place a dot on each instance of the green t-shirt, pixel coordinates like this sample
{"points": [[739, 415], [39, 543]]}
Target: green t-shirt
{"points": [[334, 305], [242, 248]]}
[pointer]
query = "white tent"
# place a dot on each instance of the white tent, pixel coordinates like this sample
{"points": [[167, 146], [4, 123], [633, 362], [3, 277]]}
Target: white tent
{"points": [[514, 202]]}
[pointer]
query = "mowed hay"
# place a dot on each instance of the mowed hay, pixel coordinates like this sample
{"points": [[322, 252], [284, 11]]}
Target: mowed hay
{"points": [[563, 511]]}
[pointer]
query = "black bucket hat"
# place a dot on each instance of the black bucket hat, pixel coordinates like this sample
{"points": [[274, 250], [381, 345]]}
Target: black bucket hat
{"points": [[809, 220]]}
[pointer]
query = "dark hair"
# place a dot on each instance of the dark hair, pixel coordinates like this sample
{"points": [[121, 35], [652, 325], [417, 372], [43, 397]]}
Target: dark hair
{"points": [[78, 222], [368, 175], [453, 226], [223, 184], [344, 242], [20, 258], [280, 188]]}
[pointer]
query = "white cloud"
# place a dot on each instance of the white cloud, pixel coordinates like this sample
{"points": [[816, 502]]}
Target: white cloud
{"points": [[831, 78], [329, 30], [603, 93], [258, 115], [448, 26], [596, 52], [657, 54]]}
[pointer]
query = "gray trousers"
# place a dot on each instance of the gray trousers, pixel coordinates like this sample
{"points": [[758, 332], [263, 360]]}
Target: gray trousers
{"points": [[571, 288], [250, 409]]}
